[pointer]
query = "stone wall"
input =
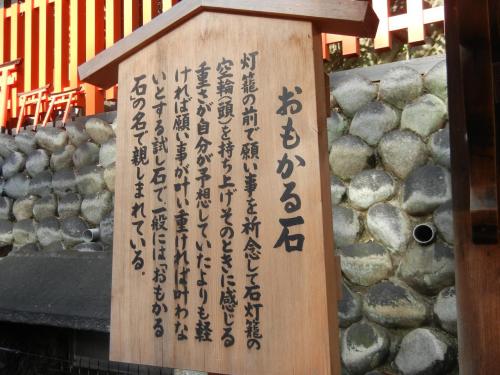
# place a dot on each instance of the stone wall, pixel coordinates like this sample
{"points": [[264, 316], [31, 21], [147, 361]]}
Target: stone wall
{"points": [[390, 161], [55, 184]]}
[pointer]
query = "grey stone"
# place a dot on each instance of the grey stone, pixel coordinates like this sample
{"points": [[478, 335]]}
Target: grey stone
{"points": [[445, 309], [338, 189], [346, 226], [424, 115], [69, 205], [76, 133], [62, 158], [107, 153], [435, 81], [99, 130], [365, 263], [106, 229], [90, 180], [23, 207], [96, 206], [336, 126], [37, 162], [41, 184], [89, 247], [54, 247], [51, 139], [428, 269], [64, 181], [389, 225], [5, 208], [352, 92], [439, 145], [364, 346], [349, 155], [350, 307], [7, 145], [72, 229], [372, 121], [425, 189], [48, 231], [369, 187], [188, 372], [395, 305], [401, 152], [25, 142], [6, 234], [86, 154], [400, 86], [24, 232], [443, 219], [426, 351], [45, 206], [13, 164], [28, 249], [109, 178], [114, 124], [17, 186]]}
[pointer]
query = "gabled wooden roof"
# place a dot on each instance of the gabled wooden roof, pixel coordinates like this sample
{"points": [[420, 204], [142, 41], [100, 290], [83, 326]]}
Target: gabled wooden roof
{"points": [[348, 17]]}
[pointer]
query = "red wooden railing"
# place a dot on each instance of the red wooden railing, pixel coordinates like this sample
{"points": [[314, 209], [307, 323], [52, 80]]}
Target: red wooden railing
{"points": [[53, 37]]}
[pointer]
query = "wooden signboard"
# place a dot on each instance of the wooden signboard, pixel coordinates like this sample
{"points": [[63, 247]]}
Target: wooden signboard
{"points": [[223, 251]]}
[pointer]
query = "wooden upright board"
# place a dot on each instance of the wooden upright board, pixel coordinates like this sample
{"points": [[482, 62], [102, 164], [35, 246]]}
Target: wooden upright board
{"points": [[223, 253]]}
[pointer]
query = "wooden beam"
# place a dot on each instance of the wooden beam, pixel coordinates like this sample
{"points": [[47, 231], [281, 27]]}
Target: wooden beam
{"points": [[113, 19], [45, 43], [30, 46], [16, 52], [3, 33], [61, 44], [94, 98], [76, 40], [130, 16]]}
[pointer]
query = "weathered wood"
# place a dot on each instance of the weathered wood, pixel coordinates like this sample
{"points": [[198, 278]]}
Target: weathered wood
{"points": [[339, 16]]}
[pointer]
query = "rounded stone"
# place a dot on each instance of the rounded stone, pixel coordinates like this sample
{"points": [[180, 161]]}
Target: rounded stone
{"points": [[365, 263], [338, 189], [5, 208], [389, 225], [424, 115], [401, 152], [6, 234], [369, 187], [72, 229], [106, 229], [62, 158], [364, 346], [188, 372], [89, 247], [346, 226], [54, 247], [51, 139], [37, 162], [26, 142], [45, 206], [352, 92], [350, 307], [17, 186], [23, 207], [445, 309], [349, 155], [114, 124], [64, 181], [394, 305], [28, 249], [69, 205], [107, 153], [435, 81], [76, 133], [96, 206], [109, 178], [372, 121], [41, 184], [99, 130], [48, 231], [425, 189], [86, 154], [13, 164], [7, 145], [400, 85], [426, 351], [90, 180], [439, 146], [336, 126], [24, 232], [443, 219]]}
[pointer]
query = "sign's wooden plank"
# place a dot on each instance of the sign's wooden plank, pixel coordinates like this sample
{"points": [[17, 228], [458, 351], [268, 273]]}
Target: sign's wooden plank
{"points": [[260, 294]]}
